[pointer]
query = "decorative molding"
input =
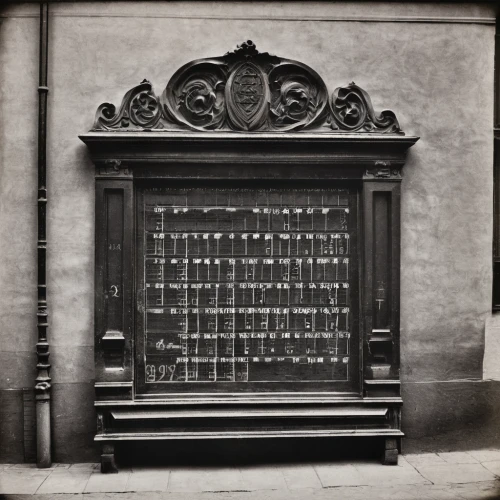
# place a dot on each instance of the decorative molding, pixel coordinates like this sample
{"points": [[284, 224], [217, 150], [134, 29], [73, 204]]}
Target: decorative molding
{"points": [[395, 17], [383, 170], [113, 168], [246, 90]]}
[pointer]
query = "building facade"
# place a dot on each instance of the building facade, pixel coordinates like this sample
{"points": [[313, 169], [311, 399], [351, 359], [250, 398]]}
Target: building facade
{"points": [[431, 63]]}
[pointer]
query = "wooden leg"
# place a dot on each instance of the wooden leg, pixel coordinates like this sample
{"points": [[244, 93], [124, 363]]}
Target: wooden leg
{"points": [[108, 464], [390, 451]]}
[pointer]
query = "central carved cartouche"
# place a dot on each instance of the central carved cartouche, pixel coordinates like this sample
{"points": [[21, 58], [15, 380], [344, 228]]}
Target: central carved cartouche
{"points": [[247, 97], [246, 90]]}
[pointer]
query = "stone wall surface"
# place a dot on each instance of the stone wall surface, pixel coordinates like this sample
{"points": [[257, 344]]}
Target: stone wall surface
{"points": [[436, 76]]}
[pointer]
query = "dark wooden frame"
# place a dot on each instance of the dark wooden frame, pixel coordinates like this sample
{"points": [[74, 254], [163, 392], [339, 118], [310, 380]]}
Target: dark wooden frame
{"points": [[124, 160]]}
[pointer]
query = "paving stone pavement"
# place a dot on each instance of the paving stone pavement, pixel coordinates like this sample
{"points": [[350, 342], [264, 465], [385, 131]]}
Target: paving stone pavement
{"points": [[472, 475]]}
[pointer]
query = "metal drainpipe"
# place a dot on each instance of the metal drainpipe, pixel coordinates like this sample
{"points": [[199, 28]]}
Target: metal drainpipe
{"points": [[42, 387]]}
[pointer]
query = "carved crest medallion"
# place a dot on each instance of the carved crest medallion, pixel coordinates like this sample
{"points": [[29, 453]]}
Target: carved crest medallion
{"points": [[247, 86], [247, 97]]}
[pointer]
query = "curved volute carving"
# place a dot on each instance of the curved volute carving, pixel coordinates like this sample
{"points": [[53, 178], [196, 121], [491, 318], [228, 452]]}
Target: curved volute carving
{"points": [[246, 90], [300, 97], [140, 109], [352, 110], [194, 96]]}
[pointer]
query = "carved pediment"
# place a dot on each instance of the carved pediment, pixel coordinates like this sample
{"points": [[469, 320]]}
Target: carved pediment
{"points": [[246, 90]]}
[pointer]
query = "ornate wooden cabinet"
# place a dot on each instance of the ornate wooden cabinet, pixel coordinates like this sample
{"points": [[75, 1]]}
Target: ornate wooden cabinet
{"points": [[247, 258]]}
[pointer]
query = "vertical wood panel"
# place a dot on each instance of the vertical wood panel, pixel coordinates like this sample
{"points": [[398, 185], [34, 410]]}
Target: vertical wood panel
{"points": [[381, 304], [114, 279], [113, 286], [381, 204], [395, 274]]}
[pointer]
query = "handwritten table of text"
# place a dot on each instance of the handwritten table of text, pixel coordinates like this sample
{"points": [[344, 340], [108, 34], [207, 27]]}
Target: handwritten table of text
{"points": [[248, 285]]}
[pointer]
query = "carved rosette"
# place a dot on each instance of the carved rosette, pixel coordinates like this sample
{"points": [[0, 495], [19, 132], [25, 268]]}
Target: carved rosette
{"points": [[246, 90]]}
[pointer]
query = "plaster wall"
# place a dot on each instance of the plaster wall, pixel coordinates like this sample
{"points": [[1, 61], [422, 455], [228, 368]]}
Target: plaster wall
{"points": [[18, 194], [437, 75]]}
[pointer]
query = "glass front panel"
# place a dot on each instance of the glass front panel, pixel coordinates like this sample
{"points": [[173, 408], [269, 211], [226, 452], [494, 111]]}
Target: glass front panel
{"points": [[248, 288]]}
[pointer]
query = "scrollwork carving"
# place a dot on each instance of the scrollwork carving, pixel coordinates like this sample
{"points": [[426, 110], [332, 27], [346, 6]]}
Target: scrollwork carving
{"points": [[139, 109], [195, 96], [246, 90], [352, 110], [299, 97]]}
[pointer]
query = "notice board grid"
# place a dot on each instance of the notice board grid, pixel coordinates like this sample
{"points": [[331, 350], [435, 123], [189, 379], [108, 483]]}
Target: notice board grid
{"points": [[248, 285]]}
